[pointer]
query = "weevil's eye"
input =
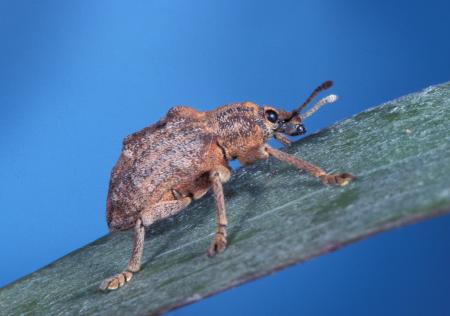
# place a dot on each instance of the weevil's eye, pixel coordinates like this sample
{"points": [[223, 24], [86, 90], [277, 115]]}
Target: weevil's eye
{"points": [[272, 116]]}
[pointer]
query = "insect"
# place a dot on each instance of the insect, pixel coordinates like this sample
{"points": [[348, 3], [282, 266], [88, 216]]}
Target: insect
{"points": [[165, 166]]}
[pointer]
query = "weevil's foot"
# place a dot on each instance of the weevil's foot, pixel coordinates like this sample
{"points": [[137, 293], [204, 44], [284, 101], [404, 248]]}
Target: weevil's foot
{"points": [[113, 283], [218, 244], [341, 179]]}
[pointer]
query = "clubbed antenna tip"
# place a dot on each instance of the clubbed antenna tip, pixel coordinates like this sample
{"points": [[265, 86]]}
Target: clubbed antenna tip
{"points": [[326, 84]]}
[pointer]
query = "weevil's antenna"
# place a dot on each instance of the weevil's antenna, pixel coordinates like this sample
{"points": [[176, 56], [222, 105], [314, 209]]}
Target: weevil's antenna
{"points": [[329, 99], [323, 86]]}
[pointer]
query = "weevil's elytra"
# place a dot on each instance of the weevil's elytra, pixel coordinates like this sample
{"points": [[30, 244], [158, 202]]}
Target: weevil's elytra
{"points": [[166, 165]]}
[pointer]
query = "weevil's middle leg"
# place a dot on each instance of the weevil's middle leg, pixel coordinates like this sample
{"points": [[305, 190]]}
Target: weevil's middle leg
{"points": [[341, 179], [219, 242], [148, 216]]}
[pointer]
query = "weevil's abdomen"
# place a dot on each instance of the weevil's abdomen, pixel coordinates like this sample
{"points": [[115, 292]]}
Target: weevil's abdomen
{"points": [[169, 155]]}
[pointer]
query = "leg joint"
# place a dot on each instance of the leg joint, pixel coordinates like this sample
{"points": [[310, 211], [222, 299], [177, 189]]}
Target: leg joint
{"points": [[222, 172]]}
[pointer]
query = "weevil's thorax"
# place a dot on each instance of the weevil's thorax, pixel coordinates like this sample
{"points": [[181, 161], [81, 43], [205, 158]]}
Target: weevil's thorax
{"points": [[239, 127]]}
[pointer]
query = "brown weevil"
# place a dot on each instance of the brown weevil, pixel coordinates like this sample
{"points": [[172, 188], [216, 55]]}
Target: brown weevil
{"points": [[163, 167]]}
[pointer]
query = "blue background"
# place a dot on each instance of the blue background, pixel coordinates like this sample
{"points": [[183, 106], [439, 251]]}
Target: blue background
{"points": [[78, 76]]}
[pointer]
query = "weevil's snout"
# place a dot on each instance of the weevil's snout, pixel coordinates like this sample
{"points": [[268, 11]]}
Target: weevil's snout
{"points": [[294, 128]]}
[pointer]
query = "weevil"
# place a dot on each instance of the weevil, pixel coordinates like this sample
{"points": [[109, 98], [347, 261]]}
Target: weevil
{"points": [[165, 166]]}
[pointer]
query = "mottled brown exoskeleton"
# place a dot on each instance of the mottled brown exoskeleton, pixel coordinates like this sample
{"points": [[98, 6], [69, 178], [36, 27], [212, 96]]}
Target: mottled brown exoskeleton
{"points": [[165, 166]]}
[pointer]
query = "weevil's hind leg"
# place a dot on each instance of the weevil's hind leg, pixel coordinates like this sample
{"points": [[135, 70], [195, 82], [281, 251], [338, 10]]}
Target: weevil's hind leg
{"points": [[148, 216], [164, 209], [341, 179], [219, 242], [134, 263]]}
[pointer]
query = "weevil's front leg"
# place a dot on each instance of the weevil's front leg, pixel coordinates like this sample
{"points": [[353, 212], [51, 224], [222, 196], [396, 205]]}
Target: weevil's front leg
{"points": [[341, 179], [282, 139], [148, 216], [219, 242]]}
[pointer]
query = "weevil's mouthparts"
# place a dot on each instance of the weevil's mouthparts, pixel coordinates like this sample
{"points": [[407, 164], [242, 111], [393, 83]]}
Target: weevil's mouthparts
{"points": [[294, 129], [329, 99]]}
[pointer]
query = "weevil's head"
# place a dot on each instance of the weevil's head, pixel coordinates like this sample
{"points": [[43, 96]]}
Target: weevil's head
{"points": [[291, 123], [282, 122]]}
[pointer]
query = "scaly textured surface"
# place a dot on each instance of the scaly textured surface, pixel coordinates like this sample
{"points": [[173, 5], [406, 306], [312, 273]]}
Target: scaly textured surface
{"points": [[400, 152]]}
